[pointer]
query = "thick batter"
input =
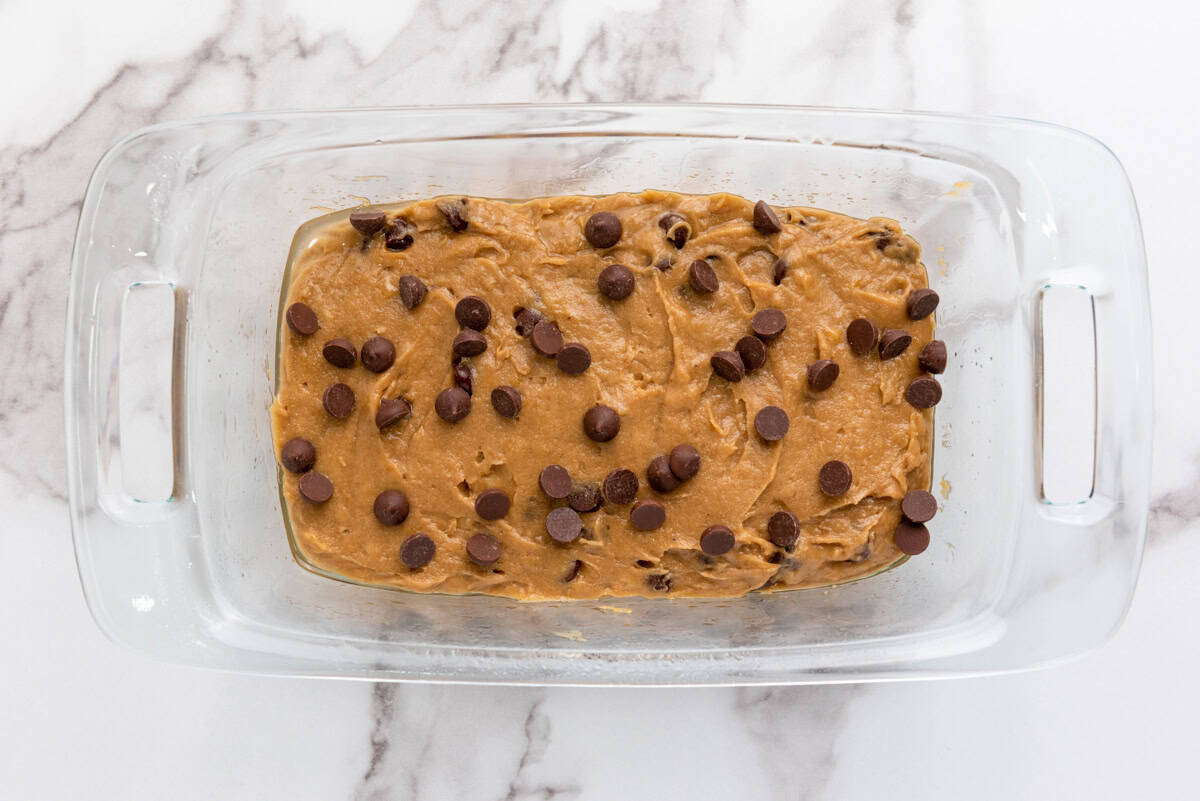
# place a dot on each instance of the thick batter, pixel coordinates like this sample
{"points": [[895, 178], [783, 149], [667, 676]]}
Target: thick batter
{"points": [[579, 397]]}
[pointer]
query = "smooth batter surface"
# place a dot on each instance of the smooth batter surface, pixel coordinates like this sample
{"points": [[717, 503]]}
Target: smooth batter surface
{"points": [[650, 361]]}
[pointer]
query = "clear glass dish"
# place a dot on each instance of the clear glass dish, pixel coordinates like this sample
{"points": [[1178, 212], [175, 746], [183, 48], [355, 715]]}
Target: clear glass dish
{"points": [[1042, 443]]}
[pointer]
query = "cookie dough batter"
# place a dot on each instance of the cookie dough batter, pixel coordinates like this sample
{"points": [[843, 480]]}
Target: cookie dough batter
{"points": [[581, 397]]}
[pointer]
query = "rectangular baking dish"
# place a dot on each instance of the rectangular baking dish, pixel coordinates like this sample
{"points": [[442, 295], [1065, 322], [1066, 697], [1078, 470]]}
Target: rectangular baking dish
{"points": [[1042, 442]]}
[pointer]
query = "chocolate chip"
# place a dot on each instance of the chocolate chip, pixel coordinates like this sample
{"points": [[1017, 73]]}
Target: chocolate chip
{"points": [[463, 378], [298, 455], [506, 401], [555, 481], [911, 538], [455, 212], [659, 582], [822, 374], [684, 461], [573, 359], [315, 487], [546, 338], [768, 324], [452, 404], [469, 342], [716, 540], [368, 223], [340, 353], [771, 423], [573, 571], [615, 282], [932, 357], [783, 530], [603, 229], [399, 235], [647, 515], [473, 312], [924, 392], [643, 563], [659, 475], [417, 551], [702, 278], [664, 264], [391, 507], [765, 219], [893, 342], [601, 423], [301, 319], [835, 478], [919, 506], [392, 411], [621, 486], [779, 271], [412, 291], [753, 352], [861, 336], [526, 320], [563, 525], [483, 549], [338, 400], [728, 365], [921, 303], [378, 354], [676, 228], [492, 504], [585, 498]]}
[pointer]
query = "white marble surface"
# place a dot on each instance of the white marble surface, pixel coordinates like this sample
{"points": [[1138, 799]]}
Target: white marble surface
{"points": [[84, 719]]}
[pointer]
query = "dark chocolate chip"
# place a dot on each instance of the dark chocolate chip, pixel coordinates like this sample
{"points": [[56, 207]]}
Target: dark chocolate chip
{"points": [[702, 278], [455, 212], [526, 320], [659, 582], [601, 423], [473, 312], [835, 478], [765, 219], [643, 563], [779, 271], [728, 365], [603, 229], [716, 540], [564, 525], [783, 530], [921, 303], [861, 336], [492, 504], [463, 378], [399, 235], [368, 223], [392, 411], [647, 515], [684, 461], [546, 338], [338, 400], [302, 319], [659, 475], [378, 354], [676, 228], [621, 486], [573, 359], [664, 264], [506, 401], [932, 357], [585, 498], [391, 507], [340, 352], [469, 342], [483, 549], [417, 550], [298, 455], [911, 538], [753, 352], [315, 487], [768, 324], [615, 282], [822, 374], [924, 392], [555, 481], [452, 404], [893, 342], [771, 423], [412, 291], [774, 559], [573, 571], [919, 506]]}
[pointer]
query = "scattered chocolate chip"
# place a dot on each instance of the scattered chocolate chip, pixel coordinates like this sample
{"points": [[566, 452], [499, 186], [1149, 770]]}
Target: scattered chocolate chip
{"points": [[573, 571], [676, 228], [555, 481], [621, 486], [492, 504], [417, 550], [455, 212], [412, 291], [615, 282], [779, 271], [573, 359], [659, 582], [911, 538], [771, 423], [603, 229], [601, 423], [768, 324], [924, 392], [526, 320], [483, 549], [391, 507], [716, 540], [368, 223], [463, 378], [783, 530], [506, 401], [469, 342], [452, 404], [664, 264], [684, 461], [919, 506], [765, 219], [298, 455], [473, 312], [301, 319], [338, 400], [861, 336], [340, 353], [659, 475], [822, 374], [585, 498], [702, 278], [564, 525], [774, 559], [647, 515], [728, 365], [753, 352], [834, 478], [893, 342], [546, 338], [378, 354], [399, 235], [932, 357], [643, 563], [315, 487], [921, 303], [392, 411]]}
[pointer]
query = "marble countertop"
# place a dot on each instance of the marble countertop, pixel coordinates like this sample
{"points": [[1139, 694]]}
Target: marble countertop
{"points": [[85, 719]]}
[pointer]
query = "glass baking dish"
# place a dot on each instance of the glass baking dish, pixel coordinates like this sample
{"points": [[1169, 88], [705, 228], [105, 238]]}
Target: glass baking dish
{"points": [[1042, 443]]}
